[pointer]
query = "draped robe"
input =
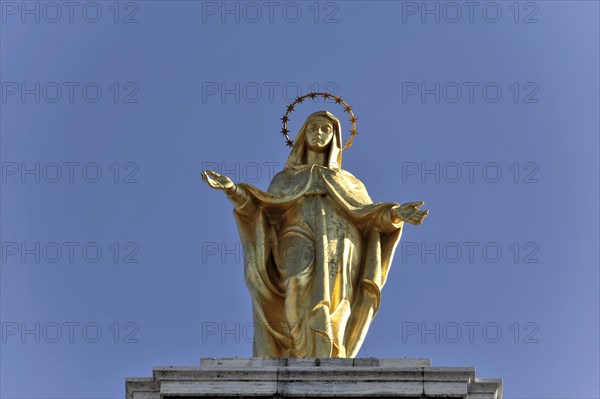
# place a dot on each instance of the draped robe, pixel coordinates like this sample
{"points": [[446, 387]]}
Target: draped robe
{"points": [[317, 252]]}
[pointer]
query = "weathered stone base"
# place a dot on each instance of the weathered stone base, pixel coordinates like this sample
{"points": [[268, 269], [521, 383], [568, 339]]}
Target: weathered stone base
{"points": [[314, 378]]}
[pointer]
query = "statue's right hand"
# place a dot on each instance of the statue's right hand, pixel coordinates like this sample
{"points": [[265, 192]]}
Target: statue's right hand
{"points": [[215, 180]]}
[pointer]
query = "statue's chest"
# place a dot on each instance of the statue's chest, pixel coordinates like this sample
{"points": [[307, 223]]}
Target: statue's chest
{"points": [[319, 214]]}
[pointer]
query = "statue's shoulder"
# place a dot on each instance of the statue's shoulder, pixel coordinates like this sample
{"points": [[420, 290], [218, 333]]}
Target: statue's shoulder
{"points": [[355, 190], [351, 181], [278, 182], [346, 173], [349, 176]]}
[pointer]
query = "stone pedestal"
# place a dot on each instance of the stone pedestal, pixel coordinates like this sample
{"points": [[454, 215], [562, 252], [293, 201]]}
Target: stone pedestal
{"points": [[314, 378]]}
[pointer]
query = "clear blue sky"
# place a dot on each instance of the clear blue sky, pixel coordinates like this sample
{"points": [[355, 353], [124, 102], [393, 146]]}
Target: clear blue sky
{"points": [[489, 114]]}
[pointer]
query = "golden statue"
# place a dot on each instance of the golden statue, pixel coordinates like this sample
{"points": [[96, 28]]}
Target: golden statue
{"points": [[317, 250]]}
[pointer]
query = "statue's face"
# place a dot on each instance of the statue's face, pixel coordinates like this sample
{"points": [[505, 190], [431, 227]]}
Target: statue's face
{"points": [[319, 133]]}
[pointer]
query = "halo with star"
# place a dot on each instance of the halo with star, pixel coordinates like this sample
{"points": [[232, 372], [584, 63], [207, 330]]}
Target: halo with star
{"points": [[325, 95]]}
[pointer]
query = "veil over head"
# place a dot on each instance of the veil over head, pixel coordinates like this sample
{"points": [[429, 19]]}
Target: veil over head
{"points": [[297, 156]]}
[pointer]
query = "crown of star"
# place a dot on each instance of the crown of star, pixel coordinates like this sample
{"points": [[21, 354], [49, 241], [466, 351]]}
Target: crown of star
{"points": [[313, 95]]}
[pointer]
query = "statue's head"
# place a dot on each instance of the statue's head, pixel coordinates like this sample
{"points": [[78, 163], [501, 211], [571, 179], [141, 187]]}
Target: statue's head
{"points": [[321, 132]]}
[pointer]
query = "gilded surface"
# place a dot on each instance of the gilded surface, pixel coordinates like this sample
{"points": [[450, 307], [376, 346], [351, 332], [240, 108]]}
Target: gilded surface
{"points": [[317, 250]]}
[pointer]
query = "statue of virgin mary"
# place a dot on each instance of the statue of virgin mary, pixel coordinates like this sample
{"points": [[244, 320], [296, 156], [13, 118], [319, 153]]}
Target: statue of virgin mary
{"points": [[317, 250]]}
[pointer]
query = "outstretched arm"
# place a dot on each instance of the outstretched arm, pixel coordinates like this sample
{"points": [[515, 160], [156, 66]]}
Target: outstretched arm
{"points": [[242, 201]]}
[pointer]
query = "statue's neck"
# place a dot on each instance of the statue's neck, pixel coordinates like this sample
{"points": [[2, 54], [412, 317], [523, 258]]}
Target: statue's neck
{"points": [[318, 158]]}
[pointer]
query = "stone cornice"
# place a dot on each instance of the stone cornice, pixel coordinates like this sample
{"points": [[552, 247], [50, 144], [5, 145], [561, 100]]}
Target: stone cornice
{"points": [[307, 378]]}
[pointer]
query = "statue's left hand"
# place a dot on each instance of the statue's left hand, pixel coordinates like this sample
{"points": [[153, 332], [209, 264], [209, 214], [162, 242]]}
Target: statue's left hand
{"points": [[410, 213]]}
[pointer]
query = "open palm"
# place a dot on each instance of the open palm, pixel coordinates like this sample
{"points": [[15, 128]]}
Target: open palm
{"points": [[410, 212], [215, 180]]}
